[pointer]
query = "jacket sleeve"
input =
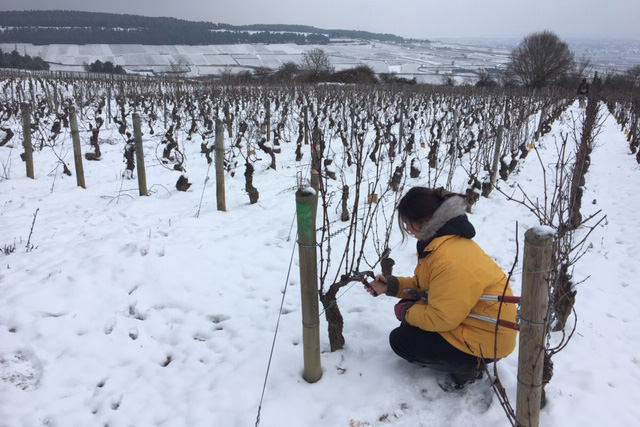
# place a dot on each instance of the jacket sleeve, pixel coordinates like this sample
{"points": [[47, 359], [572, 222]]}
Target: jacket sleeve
{"points": [[397, 285], [453, 293]]}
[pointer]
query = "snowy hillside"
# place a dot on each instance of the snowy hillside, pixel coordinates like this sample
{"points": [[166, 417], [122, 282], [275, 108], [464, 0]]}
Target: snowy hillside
{"points": [[425, 61], [428, 62]]}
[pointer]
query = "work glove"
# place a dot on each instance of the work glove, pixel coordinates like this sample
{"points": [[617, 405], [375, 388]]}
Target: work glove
{"points": [[401, 309], [392, 285]]}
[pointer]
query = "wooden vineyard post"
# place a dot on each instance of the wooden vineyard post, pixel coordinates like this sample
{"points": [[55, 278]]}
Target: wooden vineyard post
{"points": [[27, 156], [137, 136], [543, 117], [109, 103], [454, 149], [401, 131], [267, 107], [219, 159], [316, 154], [56, 102], [33, 96], [456, 129], [80, 103], [305, 212], [496, 156], [533, 323], [306, 125], [164, 109], [227, 119], [77, 152]]}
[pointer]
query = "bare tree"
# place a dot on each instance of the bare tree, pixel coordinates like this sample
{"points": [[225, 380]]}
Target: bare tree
{"points": [[179, 65], [634, 74], [262, 73], [485, 79], [541, 59], [583, 67], [227, 75], [448, 80], [317, 61], [288, 71]]}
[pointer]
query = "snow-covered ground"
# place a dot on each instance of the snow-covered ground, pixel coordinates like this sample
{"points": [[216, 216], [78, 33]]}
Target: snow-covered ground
{"points": [[161, 310], [424, 61], [461, 59]]}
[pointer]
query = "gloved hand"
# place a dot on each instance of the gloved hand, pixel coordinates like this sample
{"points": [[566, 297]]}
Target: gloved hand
{"points": [[401, 309]]}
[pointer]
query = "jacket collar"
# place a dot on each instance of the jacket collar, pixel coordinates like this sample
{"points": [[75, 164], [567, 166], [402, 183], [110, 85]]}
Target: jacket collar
{"points": [[449, 219], [452, 207]]}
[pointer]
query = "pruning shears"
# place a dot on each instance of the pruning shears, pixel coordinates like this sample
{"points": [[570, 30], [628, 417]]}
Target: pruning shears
{"points": [[361, 276]]}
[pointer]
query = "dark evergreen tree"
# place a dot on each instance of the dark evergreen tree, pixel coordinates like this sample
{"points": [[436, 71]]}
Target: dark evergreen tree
{"points": [[105, 67], [26, 62]]}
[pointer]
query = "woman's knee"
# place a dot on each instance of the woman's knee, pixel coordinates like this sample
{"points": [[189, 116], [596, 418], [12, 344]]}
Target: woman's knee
{"points": [[397, 341]]}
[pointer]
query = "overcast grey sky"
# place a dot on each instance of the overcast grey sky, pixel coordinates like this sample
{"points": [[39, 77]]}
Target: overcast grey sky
{"points": [[406, 18]]}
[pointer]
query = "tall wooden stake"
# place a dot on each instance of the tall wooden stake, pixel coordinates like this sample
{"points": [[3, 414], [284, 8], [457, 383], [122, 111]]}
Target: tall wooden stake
{"points": [[401, 131], [543, 117], [267, 106], [26, 142], [305, 202], [164, 104], [219, 159], [496, 156], [77, 151], [81, 103], [533, 323], [306, 125], [137, 135], [109, 103]]}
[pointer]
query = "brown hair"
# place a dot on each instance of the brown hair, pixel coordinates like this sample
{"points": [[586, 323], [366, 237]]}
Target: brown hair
{"points": [[419, 204]]}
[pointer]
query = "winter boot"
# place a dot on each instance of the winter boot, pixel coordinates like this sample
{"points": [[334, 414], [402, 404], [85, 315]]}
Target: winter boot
{"points": [[436, 365], [465, 375]]}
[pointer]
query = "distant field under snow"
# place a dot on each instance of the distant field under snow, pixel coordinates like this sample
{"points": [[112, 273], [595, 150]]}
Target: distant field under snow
{"points": [[428, 62]]}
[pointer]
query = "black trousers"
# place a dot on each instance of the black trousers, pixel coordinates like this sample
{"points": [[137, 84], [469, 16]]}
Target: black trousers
{"points": [[430, 348]]}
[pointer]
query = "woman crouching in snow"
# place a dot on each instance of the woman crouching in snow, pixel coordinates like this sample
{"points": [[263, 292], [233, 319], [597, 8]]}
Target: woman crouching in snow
{"points": [[440, 304]]}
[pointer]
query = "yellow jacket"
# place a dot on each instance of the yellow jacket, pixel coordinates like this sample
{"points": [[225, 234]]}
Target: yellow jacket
{"points": [[455, 272]]}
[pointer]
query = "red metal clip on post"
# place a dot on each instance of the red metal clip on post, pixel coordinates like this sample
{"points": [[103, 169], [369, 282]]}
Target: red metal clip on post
{"points": [[506, 298]]}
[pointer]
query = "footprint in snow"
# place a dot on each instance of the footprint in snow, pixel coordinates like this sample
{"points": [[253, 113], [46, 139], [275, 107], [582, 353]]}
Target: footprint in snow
{"points": [[218, 318], [135, 313], [20, 368], [115, 403], [160, 251], [133, 333], [109, 325], [144, 249], [129, 248], [200, 337]]}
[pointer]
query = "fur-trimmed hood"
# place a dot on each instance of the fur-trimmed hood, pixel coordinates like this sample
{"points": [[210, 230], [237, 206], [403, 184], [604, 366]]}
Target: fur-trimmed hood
{"points": [[452, 207]]}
